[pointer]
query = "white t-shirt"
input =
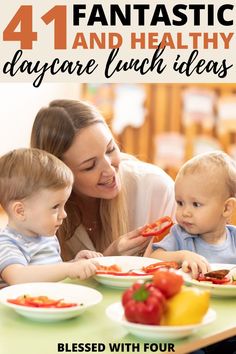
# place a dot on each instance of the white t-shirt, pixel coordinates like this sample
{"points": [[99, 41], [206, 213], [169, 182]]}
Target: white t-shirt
{"points": [[150, 192], [150, 195]]}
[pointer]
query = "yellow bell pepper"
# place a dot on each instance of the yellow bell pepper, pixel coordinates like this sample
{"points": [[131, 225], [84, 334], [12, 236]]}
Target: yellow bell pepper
{"points": [[187, 307]]}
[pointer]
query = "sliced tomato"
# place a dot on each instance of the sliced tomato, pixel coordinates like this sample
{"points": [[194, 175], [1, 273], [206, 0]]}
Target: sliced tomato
{"points": [[62, 305], [225, 280], [17, 302], [120, 273], [155, 266], [110, 268], [159, 228], [40, 301], [34, 302]]}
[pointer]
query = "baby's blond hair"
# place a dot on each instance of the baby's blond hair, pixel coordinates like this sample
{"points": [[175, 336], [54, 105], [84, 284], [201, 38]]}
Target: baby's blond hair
{"points": [[26, 171], [214, 162]]}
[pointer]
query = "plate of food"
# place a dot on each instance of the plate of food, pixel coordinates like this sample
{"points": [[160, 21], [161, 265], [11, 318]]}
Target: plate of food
{"points": [[115, 312], [220, 281], [49, 301], [123, 271]]}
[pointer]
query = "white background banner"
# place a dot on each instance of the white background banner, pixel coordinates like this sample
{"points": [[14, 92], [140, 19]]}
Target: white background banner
{"points": [[117, 41]]}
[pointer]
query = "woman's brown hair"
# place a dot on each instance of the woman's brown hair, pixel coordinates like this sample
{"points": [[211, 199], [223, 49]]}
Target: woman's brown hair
{"points": [[54, 130]]}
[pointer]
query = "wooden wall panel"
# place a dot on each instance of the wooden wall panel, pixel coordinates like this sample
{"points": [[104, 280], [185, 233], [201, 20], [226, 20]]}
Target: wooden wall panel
{"points": [[164, 114]]}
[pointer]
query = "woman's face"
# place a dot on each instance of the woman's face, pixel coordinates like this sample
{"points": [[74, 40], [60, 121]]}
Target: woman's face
{"points": [[94, 159]]}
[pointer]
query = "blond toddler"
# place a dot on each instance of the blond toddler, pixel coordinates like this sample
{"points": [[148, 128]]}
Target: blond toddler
{"points": [[34, 187], [205, 191]]}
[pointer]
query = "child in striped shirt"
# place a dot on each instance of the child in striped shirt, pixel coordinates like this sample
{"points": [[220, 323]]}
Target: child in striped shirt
{"points": [[34, 187]]}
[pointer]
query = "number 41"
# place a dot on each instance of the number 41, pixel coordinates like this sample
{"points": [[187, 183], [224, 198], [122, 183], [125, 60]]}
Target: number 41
{"points": [[26, 36]]}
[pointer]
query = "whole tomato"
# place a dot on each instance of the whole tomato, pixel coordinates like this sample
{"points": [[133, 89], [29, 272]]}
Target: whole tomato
{"points": [[168, 282], [143, 303]]}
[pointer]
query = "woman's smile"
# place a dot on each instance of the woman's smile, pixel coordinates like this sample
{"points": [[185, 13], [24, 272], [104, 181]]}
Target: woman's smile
{"points": [[109, 182], [96, 166]]}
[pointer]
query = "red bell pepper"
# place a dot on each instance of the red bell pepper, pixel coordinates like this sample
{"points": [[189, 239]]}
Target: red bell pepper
{"points": [[160, 228], [143, 303]]}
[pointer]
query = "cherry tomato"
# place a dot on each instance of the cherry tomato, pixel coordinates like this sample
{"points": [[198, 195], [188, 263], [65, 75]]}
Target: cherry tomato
{"points": [[168, 282], [159, 228]]}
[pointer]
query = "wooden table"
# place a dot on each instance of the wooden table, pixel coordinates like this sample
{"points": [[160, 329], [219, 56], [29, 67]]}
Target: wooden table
{"points": [[19, 335]]}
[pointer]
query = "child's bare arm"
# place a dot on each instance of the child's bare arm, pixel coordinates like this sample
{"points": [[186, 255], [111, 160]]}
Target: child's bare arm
{"points": [[160, 253], [190, 261], [17, 273]]}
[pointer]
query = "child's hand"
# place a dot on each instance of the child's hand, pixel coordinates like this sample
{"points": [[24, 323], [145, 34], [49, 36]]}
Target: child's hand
{"points": [[194, 263], [86, 254], [83, 268]]}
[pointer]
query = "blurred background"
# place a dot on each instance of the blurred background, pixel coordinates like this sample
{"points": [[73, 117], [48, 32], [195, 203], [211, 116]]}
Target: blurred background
{"points": [[164, 124]]}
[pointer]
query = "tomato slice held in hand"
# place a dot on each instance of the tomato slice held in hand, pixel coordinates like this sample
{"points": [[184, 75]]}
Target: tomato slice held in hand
{"points": [[159, 228], [168, 282]]}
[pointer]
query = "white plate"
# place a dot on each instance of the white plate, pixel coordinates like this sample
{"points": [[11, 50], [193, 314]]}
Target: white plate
{"points": [[126, 263], [68, 292], [116, 313], [215, 289]]}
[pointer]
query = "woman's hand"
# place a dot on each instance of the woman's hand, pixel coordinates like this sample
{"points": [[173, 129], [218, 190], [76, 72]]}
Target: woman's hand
{"points": [[193, 262], [130, 244]]}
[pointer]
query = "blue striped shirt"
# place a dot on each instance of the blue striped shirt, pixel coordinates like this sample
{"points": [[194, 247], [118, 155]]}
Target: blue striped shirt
{"points": [[16, 248]]}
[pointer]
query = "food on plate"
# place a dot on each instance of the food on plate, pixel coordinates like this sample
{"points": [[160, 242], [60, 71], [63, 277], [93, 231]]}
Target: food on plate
{"points": [[41, 302], [219, 274], [168, 282], [155, 266], [210, 279], [114, 269], [143, 303], [165, 301], [219, 277], [110, 268], [186, 307], [160, 228]]}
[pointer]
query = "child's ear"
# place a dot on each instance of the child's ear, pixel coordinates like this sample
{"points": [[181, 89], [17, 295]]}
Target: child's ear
{"points": [[229, 207], [18, 210]]}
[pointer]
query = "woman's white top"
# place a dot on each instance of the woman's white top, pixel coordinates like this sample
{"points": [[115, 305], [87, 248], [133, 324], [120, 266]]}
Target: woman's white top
{"points": [[150, 195]]}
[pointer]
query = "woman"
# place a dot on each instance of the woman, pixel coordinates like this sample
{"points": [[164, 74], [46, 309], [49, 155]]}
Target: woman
{"points": [[114, 194]]}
